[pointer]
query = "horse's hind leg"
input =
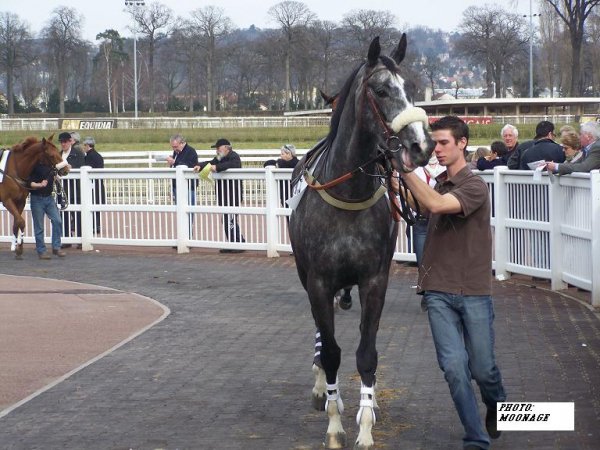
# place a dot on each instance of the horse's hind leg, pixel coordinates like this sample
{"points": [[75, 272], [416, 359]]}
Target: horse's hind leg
{"points": [[372, 300], [322, 309]]}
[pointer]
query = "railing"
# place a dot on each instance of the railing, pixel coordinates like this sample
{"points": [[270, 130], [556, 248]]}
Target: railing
{"points": [[52, 124], [542, 227]]}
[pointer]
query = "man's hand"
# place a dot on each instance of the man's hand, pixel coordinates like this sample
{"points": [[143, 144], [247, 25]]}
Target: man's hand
{"points": [[196, 168], [170, 160], [213, 167], [550, 166], [395, 182], [43, 183]]}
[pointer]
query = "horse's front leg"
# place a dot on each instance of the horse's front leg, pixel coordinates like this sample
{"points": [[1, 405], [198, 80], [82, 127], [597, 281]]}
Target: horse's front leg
{"points": [[18, 228], [372, 300], [326, 383]]}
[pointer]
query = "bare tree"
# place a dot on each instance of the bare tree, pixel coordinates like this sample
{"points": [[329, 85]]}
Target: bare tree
{"points": [[111, 49], [212, 24], [290, 15], [154, 23], [555, 55], [493, 38], [574, 13], [62, 36], [15, 52], [365, 24], [325, 40]]}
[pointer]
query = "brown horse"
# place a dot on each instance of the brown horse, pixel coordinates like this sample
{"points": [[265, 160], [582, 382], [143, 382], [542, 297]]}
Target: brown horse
{"points": [[15, 184]]}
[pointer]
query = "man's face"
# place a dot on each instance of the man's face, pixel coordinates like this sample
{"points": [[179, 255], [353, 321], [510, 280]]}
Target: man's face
{"points": [[65, 144], [509, 138], [177, 146], [222, 151], [585, 139], [447, 150]]}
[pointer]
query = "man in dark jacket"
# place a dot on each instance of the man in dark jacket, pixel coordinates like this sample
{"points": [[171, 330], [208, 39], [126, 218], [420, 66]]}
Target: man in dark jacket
{"points": [[95, 161], [72, 187], [229, 192], [543, 147], [183, 155]]}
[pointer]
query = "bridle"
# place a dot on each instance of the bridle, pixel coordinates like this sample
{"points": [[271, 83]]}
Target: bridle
{"points": [[384, 155]]}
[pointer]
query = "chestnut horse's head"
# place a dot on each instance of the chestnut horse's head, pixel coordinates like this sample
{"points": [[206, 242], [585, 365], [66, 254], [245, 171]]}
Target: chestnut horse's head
{"points": [[50, 156]]}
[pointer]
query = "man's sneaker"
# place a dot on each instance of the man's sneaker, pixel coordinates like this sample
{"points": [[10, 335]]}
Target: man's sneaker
{"points": [[44, 256], [491, 424], [58, 252]]}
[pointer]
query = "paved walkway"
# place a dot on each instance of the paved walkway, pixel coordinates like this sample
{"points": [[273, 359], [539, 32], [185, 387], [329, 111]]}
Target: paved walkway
{"points": [[229, 368]]}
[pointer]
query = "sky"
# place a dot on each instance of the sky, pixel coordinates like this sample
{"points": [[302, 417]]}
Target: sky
{"points": [[102, 15]]}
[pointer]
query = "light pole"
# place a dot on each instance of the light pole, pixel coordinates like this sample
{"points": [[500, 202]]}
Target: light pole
{"points": [[531, 16], [133, 5]]}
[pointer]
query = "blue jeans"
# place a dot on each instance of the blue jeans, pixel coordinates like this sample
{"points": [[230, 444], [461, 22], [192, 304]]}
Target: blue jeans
{"points": [[463, 335], [40, 206], [419, 235]]}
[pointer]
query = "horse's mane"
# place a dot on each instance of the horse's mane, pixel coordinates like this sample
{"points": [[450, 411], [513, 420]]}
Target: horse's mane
{"points": [[342, 97], [28, 142]]}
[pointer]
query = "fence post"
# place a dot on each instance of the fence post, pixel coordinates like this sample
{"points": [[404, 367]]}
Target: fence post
{"points": [[271, 212], [87, 215], [183, 220], [556, 239], [595, 205], [501, 241]]}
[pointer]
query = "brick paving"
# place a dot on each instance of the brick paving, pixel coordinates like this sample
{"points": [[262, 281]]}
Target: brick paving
{"points": [[230, 367]]}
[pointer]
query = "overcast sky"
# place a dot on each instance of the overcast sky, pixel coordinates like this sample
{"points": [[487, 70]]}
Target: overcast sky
{"points": [[100, 15]]}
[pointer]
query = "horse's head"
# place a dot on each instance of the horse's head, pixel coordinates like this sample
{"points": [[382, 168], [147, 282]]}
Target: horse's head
{"points": [[50, 156], [387, 109]]}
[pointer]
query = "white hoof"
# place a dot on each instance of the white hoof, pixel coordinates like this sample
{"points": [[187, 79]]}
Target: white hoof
{"points": [[336, 440]]}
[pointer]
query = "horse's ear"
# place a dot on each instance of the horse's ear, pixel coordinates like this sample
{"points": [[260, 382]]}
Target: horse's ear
{"points": [[400, 51], [51, 137], [325, 97], [44, 142], [374, 51]]}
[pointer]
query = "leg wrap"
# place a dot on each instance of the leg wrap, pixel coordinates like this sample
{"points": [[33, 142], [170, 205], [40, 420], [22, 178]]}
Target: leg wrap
{"points": [[367, 394], [333, 394]]}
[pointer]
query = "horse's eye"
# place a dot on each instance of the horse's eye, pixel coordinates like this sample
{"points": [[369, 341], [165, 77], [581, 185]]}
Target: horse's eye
{"points": [[381, 93]]}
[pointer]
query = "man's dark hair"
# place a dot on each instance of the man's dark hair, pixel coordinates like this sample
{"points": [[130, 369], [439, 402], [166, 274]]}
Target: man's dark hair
{"points": [[458, 128], [543, 129], [499, 148]]}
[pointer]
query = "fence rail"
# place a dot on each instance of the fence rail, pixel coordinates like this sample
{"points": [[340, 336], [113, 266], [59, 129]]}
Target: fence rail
{"points": [[542, 227]]}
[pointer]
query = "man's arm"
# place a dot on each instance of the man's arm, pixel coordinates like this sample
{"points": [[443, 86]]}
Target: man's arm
{"points": [[433, 201], [590, 163]]}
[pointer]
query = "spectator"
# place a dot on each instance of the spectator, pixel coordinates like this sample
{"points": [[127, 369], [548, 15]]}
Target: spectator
{"points": [[71, 187], [510, 137], [589, 136], [288, 160], [183, 155], [497, 156], [566, 129], [460, 308], [543, 147], [42, 204], [95, 161], [76, 141], [229, 192], [571, 146], [481, 152]]}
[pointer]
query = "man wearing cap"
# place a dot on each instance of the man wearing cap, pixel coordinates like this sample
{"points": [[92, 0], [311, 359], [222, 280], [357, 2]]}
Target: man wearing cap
{"points": [[76, 159], [543, 147], [95, 161], [229, 192]]}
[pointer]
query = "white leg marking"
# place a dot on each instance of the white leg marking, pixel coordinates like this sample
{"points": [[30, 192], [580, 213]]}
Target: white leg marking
{"points": [[365, 418]]}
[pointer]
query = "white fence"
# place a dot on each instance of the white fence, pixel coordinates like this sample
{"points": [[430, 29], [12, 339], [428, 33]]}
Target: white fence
{"points": [[543, 228], [52, 124]]}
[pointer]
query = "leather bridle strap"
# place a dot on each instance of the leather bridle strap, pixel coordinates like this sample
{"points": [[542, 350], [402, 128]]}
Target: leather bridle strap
{"points": [[343, 204]]}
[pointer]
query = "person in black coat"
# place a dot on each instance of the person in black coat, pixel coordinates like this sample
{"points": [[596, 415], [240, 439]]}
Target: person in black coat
{"points": [[183, 155], [95, 161], [229, 192], [543, 148], [72, 188], [288, 160]]}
